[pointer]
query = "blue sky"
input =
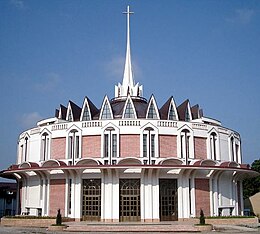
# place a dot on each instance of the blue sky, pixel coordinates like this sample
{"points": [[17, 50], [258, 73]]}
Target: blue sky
{"points": [[57, 50]]}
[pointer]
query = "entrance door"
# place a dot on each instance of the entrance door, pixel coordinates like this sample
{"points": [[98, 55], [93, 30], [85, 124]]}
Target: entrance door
{"points": [[168, 199], [91, 199], [129, 200]]}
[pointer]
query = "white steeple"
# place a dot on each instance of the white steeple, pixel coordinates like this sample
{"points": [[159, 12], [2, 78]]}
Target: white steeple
{"points": [[128, 86]]}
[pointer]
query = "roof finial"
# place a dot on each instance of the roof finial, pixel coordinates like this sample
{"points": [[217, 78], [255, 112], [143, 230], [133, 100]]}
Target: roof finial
{"points": [[128, 75], [128, 86]]}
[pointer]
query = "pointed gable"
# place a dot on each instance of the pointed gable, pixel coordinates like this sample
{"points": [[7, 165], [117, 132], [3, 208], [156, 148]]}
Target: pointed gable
{"points": [[73, 112], [152, 109], [129, 109], [196, 112], [106, 110], [62, 112], [169, 110], [88, 110], [184, 111]]}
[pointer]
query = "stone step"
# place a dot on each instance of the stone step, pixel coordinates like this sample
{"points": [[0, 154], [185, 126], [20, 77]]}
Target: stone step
{"points": [[131, 228]]}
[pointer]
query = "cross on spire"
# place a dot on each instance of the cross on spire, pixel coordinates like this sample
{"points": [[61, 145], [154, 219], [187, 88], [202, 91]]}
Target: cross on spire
{"points": [[128, 74], [128, 86]]}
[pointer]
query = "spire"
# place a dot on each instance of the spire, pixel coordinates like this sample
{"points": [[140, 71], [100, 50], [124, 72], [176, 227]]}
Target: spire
{"points": [[128, 86], [128, 74]]}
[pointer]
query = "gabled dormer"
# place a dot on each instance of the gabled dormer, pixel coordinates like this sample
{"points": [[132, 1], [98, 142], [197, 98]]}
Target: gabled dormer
{"points": [[184, 111], [169, 111], [129, 111], [152, 109], [73, 112], [106, 110], [196, 112], [62, 112], [88, 110]]}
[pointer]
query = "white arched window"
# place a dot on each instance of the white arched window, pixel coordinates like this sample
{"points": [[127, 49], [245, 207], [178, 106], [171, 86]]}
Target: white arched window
{"points": [[74, 145], [234, 149], [45, 146], [185, 141], [149, 144], [213, 143], [110, 144], [24, 148]]}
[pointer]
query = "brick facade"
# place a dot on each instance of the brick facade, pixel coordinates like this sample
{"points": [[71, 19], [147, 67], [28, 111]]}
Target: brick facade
{"points": [[202, 196], [57, 196], [129, 146], [58, 148], [167, 146], [91, 146], [200, 147]]}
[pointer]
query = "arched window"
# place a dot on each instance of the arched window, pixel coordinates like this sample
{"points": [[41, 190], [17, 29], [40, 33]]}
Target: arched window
{"points": [[149, 145], [73, 145], [232, 158], [129, 110], [25, 149], [234, 149], [187, 115], [106, 113], [110, 145], [172, 114], [152, 112], [45, 145], [213, 146], [185, 144], [70, 115], [86, 115]]}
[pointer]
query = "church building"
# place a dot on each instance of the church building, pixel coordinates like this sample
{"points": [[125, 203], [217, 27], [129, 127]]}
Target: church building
{"points": [[129, 160]]}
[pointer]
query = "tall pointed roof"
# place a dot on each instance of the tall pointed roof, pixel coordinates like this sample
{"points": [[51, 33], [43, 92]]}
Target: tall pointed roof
{"points": [[128, 73], [128, 86]]}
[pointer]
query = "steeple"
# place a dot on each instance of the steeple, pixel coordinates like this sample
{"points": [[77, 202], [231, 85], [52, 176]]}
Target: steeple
{"points": [[128, 86], [128, 73]]}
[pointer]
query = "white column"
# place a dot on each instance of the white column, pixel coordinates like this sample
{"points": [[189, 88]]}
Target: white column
{"points": [[78, 201], [115, 196], [156, 198], [192, 196], [142, 194], [180, 196], [47, 192]]}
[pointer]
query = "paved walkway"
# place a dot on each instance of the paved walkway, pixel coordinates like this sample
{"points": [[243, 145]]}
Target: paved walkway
{"points": [[127, 228]]}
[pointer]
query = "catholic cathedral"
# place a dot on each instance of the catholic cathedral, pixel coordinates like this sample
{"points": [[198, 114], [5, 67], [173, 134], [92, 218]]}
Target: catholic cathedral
{"points": [[129, 160]]}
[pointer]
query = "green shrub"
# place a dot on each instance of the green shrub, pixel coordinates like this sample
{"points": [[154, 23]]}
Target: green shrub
{"points": [[202, 217], [58, 218]]}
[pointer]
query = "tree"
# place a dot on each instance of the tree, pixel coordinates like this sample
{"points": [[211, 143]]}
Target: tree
{"points": [[251, 186]]}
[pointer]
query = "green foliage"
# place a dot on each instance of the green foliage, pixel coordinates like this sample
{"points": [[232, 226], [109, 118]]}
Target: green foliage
{"points": [[251, 186], [202, 217], [58, 218]]}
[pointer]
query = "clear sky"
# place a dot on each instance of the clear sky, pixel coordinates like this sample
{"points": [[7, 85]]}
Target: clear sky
{"points": [[60, 50]]}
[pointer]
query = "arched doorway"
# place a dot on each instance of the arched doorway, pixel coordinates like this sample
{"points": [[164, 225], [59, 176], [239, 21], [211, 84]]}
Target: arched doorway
{"points": [[91, 199], [168, 199], [129, 200]]}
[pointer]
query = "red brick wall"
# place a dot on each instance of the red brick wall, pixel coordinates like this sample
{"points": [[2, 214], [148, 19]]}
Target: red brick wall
{"points": [[200, 147], [58, 148], [57, 196], [129, 146], [202, 196], [167, 146], [91, 146]]}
